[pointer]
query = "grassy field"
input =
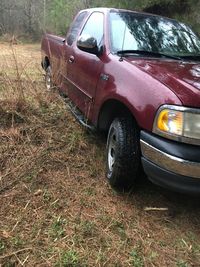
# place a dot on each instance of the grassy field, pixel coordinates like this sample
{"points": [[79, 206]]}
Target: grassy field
{"points": [[56, 208]]}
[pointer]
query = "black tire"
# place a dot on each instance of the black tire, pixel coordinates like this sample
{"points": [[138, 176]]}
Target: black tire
{"points": [[48, 78], [123, 153]]}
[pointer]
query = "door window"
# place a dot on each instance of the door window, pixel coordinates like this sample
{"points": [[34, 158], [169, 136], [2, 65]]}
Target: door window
{"points": [[94, 27]]}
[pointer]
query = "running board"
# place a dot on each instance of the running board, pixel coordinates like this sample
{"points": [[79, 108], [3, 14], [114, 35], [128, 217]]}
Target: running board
{"points": [[79, 115]]}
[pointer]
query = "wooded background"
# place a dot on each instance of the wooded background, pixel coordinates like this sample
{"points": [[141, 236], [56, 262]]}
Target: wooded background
{"points": [[30, 18]]}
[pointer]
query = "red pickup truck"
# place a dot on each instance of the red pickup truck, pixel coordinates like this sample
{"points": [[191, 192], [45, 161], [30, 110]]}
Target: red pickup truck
{"points": [[136, 77]]}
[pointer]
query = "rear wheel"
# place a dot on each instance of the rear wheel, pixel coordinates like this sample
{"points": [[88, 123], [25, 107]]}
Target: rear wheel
{"points": [[123, 153], [48, 78]]}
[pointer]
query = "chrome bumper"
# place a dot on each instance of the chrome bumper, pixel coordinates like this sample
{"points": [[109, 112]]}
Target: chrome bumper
{"points": [[169, 162]]}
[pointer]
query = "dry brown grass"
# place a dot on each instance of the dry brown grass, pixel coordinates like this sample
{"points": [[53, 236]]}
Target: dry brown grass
{"points": [[56, 208]]}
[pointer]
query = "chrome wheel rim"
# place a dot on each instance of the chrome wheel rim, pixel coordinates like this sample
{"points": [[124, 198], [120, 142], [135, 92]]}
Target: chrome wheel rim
{"points": [[112, 150], [48, 80]]}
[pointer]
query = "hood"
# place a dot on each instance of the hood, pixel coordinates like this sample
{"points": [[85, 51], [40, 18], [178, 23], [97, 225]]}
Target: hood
{"points": [[183, 78]]}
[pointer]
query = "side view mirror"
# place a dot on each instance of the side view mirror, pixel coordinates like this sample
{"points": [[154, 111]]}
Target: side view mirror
{"points": [[88, 44]]}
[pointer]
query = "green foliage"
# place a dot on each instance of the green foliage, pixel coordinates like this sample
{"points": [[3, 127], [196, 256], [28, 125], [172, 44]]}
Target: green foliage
{"points": [[59, 15], [182, 263], [17, 241], [136, 258], [57, 228], [2, 245], [61, 12], [69, 259], [33, 17]]}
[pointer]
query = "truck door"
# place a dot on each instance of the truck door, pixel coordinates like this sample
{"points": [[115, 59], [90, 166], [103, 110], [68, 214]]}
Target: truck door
{"points": [[68, 48], [84, 68]]}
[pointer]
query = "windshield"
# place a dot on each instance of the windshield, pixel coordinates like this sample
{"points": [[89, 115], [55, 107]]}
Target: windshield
{"points": [[134, 31]]}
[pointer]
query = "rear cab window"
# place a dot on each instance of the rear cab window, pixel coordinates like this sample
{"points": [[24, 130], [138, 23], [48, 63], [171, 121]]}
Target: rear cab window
{"points": [[75, 27]]}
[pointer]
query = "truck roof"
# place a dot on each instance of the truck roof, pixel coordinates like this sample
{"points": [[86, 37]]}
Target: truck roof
{"points": [[107, 10]]}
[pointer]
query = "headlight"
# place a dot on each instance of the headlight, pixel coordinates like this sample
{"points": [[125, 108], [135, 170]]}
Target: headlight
{"points": [[178, 123]]}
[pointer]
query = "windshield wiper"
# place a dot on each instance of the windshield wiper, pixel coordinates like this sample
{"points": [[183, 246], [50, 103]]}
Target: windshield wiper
{"points": [[146, 53], [191, 57]]}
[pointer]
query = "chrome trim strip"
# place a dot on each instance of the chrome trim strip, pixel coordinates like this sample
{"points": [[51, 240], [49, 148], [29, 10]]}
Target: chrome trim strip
{"points": [[169, 162], [179, 138]]}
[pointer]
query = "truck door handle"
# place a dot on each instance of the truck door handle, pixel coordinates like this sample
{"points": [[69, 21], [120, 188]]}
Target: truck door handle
{"points": [[71, 59]]}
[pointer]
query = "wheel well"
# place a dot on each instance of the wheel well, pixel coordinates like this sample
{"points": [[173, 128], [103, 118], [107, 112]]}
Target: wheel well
{"points": [[110, 110], [45, 63]]}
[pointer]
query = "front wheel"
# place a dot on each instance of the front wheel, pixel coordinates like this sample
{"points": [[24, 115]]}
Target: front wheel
{"points": [[123, 153]]}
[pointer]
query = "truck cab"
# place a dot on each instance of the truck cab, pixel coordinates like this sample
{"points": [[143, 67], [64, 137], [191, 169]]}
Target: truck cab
{"points": [[136, 77]]}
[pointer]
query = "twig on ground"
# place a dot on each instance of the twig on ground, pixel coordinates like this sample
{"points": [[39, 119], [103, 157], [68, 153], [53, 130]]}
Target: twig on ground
{"points": [[155, 209], [15, 226], [14, 253]]}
